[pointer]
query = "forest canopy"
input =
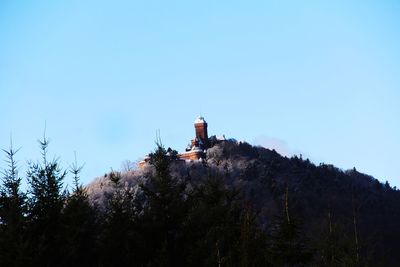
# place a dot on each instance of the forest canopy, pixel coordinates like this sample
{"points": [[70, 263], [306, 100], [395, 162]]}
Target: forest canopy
{"points": [[241, 206]]}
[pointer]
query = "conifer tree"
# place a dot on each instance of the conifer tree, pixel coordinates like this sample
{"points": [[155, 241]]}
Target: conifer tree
{"points": [[46, 202], [79, 225], [213, 225], [332, 244], [351, 245], [252, 243], [288, 246], [12, 213], [164, 211], [119, 239]]}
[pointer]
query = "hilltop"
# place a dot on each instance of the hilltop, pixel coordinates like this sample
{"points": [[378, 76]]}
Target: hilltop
{"points": [[363, 211], [219, 203]]}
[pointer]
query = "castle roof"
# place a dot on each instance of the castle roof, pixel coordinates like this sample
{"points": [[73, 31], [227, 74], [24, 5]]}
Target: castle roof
{"points": [[200, 119]]}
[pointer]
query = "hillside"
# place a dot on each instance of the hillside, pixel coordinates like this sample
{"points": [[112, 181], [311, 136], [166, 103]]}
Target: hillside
{"points": [[363, 213]]}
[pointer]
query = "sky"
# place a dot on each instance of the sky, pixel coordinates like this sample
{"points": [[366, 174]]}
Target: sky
{"points": [[317, 78]]}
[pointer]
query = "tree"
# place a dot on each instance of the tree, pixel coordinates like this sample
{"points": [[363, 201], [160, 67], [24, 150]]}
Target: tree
{"points": [[288, 246], [46, 202], [351, 245], [212, 225], [120, 242], [12, 213], [79, 225], [252, 243], [164, 212], [333, 245], [128, 165]]}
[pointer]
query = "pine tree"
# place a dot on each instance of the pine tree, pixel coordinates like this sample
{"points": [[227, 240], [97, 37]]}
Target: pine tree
{"points": [[79, 225], [164, 212], [12, 214], [120, 242], [252, 243], [46, 202], [351, 245], [288, 245], [213, 225], [331, 247]]}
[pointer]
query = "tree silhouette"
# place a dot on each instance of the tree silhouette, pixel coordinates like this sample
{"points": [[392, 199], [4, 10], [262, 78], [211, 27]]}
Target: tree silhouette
{"points": [[164, 211], [12, 214], [288, 245], [79, 225], [46, 202]]}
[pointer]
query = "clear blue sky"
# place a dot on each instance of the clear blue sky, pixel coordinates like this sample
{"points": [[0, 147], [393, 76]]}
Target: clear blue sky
{"points": [[321, 78]]}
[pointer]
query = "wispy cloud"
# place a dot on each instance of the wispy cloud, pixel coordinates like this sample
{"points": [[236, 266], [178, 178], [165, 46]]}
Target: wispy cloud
{"points": [[279, 145]]}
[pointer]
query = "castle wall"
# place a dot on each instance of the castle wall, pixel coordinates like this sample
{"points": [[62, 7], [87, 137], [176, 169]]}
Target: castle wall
{"points": [[191, 155]]}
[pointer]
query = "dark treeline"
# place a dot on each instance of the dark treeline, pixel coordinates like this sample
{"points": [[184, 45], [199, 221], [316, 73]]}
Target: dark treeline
{"points": [[171, 223]]}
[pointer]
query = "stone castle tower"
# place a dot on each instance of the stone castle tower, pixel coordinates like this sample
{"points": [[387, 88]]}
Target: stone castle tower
{"points": [[196, 149], [200, 126]]}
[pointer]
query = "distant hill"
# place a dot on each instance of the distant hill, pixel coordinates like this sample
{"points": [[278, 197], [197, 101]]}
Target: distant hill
{"points": [[361, 208]]}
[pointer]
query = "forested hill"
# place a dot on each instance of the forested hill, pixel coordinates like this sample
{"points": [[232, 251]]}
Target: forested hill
{"points": [[240, 206], [346, 217]]}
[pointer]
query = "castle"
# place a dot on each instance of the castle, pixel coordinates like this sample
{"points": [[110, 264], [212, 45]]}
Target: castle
{"points": [[197, 148]]}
